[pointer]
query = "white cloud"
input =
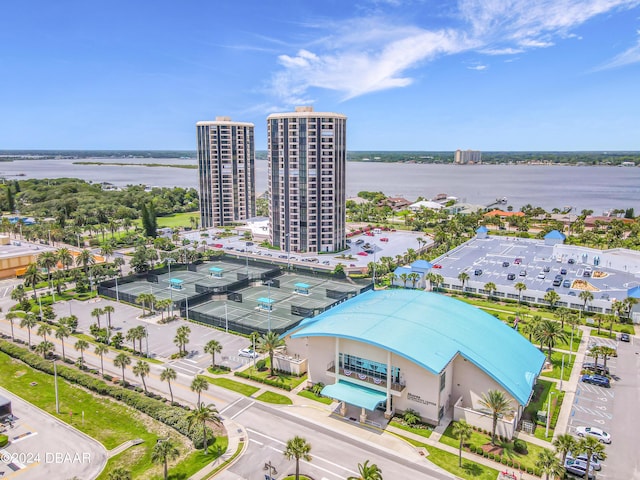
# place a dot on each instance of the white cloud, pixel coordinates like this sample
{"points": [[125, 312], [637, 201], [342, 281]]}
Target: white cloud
{"points": [[628, 57], [364, 55], [478, 68]]}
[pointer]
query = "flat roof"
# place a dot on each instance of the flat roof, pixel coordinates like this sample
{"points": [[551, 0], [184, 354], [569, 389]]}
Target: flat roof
{"points": [[430, 330], [353, 394]]}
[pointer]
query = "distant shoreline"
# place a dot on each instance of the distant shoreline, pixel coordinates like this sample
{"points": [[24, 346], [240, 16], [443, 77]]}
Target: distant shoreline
{"points": [[119, 164]]}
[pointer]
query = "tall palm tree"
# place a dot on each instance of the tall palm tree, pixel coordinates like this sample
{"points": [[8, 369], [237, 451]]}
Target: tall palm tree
{"points": [[47, 260], [11, 316], [607, 352], [497, 402], [101, 349], [182, 338], [44, 329], [96, 312], [44, 348], [590, 446], [32, 277], [141, 369], [81, 345], [298, 448], [132, 336], [164, 451], [549, 464], [520, 287], [562, 314], [85, 259], [122, 360], [551, 297], [464, 278], [169, 374], [463, 431], [270, 343], [62, 332], [119, 473], [201, 415], [199, 385], [564, 444], [367, 472], [586, 296], [212, 347], [549, 333], [65, 258], [490, 287], [28, 322]]}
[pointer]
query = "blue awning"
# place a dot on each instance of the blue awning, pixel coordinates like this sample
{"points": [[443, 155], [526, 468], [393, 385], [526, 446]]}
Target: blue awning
{"points": [[301, 285], [176, 281], [353, 394], [265, 300], [215, 269]]}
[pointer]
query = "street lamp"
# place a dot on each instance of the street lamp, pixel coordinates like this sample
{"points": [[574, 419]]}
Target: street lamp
{"points": [[169, 262], [269, 282], [546, 431], [286, 236], [55, 382], [562, 371], [271, 469]]}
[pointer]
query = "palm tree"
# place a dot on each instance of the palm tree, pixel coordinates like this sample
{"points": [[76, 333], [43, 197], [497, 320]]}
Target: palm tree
{"points": [[367, 472], [607, 352], [65, 258], [551, 297], [590, 446], [203, 414], [44, 348], [44, 329], [182, 338], [140, 332], [29, 321], [85, 259], [520, 287], [101, 349], [108, 310], [32, 277], [169, 374], [298, 448], [463, 431], [122, 360], [119, 473], [199, 385], [164, 451], [549, 464], [81, 345], [270, 343], [47, 260], [549, 333], [141, 369], [62, 332], [464, 278], [498, 403], [96, 312], [212, 347], [11, 316], [564, 444], [562, 314], [586, 296], [404, 277], [490, 287]]}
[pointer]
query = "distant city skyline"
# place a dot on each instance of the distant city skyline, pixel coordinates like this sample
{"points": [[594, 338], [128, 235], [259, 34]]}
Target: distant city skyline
{"points": [[411, 75]]}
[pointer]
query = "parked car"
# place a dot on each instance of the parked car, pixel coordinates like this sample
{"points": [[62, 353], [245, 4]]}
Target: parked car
{"points": [[596, 368], [505, 264], [563, 271], [517, 261], [363, 254], [571, 261], [566, 284], [477, 272], [218, 245], [437, 265], [359, 242], [595, 461], [624, 337], [598, 380], [384, 239], [557, 283], [601, 435], [541, 276], [523, 273], [326, 262], [511, 276], [248, 352], [586, 273], [572, 294], [550, 289], [546, 269], [579, 468]]}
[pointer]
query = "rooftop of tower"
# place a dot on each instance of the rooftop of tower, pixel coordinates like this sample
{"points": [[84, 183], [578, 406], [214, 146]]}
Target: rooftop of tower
{"points": [[306, 111]]}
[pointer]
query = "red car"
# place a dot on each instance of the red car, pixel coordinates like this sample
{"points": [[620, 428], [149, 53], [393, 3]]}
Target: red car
{"points": [[384, 239], [218, 245], [363, 254], [437, 265], [517, 261]]}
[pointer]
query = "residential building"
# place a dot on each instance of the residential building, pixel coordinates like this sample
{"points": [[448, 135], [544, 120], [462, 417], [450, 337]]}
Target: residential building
{"points": [[226, 166], [306, 180], [463, 157]]}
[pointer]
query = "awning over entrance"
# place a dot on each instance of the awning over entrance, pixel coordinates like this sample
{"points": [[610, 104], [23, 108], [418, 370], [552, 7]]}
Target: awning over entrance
{"points": [[354, 394]]}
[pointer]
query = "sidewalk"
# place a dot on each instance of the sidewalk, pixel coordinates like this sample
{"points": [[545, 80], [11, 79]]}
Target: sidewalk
{"points": [[236, 435]]}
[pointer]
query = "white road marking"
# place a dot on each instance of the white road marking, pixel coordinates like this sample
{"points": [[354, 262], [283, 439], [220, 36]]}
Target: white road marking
{"points": [[245, 408], [230, 405], [256, 441]]}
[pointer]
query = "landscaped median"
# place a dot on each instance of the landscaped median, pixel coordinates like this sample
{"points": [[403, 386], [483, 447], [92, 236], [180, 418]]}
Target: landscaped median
{"points": [[248, 390]]}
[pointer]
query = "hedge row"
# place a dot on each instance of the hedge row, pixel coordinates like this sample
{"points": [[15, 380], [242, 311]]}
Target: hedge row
{"points": [[266, 381], [504, 460], [171, 416]]}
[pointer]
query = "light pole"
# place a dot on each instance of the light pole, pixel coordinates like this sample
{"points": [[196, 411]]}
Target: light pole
{"points": [[286, 236], [169, 262], [117, 293], [269, 282], [562, 371], [271, 469], [55, 382], [226, 318], [146, 334], [546, 431]]}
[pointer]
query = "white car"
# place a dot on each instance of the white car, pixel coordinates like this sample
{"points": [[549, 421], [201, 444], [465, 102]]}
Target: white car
{"points": [[541, 276], [595, 461], [248, 352], [601, 435]]}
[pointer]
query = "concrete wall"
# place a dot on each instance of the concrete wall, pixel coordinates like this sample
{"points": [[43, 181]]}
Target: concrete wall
{"points": [[505, 427]]}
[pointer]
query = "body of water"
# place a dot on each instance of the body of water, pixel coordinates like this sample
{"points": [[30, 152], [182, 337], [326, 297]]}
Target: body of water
{"points": [[595, 188]]}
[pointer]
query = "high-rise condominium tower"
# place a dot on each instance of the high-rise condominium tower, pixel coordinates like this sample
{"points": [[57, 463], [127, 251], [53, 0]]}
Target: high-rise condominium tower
{"points": [[307, 161], [226, 163]]}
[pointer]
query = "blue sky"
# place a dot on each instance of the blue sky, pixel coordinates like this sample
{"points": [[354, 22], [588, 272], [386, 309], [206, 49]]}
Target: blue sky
{"points": [[409, 74]]}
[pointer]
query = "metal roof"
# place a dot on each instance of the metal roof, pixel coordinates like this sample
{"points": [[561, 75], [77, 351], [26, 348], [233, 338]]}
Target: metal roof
{"points": [[353, 394], [555, 234], [430, 329]]}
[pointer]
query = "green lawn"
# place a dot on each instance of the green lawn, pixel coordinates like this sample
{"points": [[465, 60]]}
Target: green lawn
{"points": [[449, 462], [479, 439], [107, 421], [556, 361], [312, 396], [229, 384], [271, 397], [282, 378], [92, 341], [423, 432], [541, 392], [174, 221]]}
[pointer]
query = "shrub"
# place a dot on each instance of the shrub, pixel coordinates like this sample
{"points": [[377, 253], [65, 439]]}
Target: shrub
{"points": [[411, 417], [509, 462], [503, 460], [261, 364], [3, 440], [520, 446]]}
